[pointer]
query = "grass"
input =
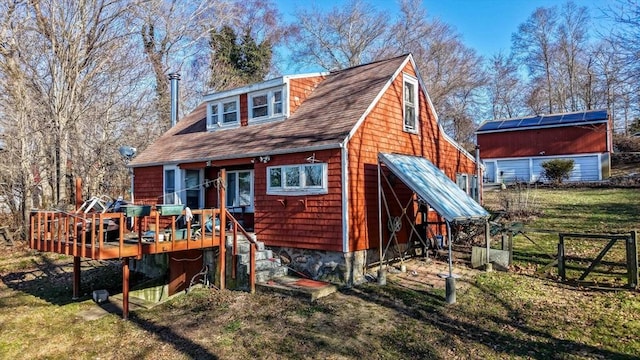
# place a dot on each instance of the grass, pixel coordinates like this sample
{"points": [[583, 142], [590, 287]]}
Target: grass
{"points": [[498, 315]]}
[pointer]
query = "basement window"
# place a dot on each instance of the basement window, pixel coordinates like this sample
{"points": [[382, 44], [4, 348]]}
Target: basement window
{"points": [[300, 179]]}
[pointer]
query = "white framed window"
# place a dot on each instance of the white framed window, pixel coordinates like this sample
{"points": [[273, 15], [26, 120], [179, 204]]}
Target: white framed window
{"points": [[223, 113], [410, 104], [462, 180], [191, 193], [240, 190], [297, 179], [266, 105], [171, 185], [182, 186]]}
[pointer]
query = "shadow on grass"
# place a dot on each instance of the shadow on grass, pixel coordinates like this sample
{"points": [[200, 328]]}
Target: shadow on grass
{"points": [[179, 342], [433, 310], [52, 280]]}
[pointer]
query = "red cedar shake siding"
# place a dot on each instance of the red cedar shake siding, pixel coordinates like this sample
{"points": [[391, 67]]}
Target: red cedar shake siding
{"points": [[552, 141], [309, 221], [383, 131], [148, 185], [300, 89]]}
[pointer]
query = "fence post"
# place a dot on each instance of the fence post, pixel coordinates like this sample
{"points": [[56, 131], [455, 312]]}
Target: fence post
{"points": [[561, 270], [632, 259]]}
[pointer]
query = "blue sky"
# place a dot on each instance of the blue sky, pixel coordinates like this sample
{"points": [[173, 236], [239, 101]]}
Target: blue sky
{"points": [[485, 25]]}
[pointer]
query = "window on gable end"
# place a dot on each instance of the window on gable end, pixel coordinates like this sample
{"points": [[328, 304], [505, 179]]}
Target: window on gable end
{"points": [[410, 104]]}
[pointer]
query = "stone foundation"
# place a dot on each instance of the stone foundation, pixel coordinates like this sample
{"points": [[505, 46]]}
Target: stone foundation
{"points": [[336, 267]]}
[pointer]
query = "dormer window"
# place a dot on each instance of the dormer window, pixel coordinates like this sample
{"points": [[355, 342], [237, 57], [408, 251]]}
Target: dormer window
{"points": [[223, 113], [410, 106], [266, 104]]}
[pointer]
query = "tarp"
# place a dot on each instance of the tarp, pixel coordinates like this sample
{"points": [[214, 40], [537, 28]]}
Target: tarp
{"points": [[434, 187]]}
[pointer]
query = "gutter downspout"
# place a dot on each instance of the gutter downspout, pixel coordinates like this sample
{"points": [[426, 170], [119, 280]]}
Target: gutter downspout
{"points": [[479, 179], [345, 196]]}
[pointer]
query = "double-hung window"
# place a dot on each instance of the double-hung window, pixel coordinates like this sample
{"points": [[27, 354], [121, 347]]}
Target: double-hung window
{"points": [[170, 185], [297, 179], [182, 186], [240, 190], [410, 104], [266, 104], [221, 113]]}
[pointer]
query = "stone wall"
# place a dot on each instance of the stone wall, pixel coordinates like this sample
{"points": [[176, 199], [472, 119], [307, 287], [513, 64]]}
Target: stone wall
{"points": [[625, 158], [336, 267]]}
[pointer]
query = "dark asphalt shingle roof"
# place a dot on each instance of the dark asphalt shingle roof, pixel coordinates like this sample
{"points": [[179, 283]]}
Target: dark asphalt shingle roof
{"points": [[323, 120]]}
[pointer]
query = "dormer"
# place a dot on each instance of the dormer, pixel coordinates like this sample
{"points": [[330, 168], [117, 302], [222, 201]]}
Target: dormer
{"points": [[271, 100]]}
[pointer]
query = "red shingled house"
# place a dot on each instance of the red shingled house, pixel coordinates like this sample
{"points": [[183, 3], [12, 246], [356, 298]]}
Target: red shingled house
{"points": [[301, 157]]}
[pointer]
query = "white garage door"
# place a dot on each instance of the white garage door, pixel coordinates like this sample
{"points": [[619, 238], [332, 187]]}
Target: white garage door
{"points": [[513, 170]]}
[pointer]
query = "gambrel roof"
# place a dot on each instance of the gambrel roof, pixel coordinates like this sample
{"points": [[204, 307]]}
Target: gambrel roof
{"points": [[323, 121]]}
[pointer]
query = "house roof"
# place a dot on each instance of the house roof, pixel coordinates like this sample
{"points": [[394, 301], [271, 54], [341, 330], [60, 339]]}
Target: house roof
{"points": [[544, 121], [322, 121], [434, 187]]}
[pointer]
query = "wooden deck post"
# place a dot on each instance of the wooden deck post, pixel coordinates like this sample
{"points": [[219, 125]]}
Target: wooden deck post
{"points": [[632, 259], [561, 269], [222, 199], [252, 267], [125, 288], [76, 277]]}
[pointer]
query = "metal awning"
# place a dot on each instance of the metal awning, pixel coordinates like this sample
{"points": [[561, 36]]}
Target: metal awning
{"points": [[434, 187]]}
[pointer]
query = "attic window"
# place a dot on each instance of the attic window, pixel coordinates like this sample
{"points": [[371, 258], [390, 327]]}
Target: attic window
{"points": [[410, 104], [223, 113], [266, 105]]}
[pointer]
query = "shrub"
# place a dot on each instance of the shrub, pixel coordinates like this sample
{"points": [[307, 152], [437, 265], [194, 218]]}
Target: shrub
{"points": [[557, 170]]}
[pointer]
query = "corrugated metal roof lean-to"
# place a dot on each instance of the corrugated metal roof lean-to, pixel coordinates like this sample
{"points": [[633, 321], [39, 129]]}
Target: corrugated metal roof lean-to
{"points": [[434, 187], [552, 120]]}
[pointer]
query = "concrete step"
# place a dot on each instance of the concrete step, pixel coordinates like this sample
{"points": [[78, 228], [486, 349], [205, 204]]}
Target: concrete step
{"points": [[294, 286], [269, 274], [243, 259], [243, 246], [267, 264]]}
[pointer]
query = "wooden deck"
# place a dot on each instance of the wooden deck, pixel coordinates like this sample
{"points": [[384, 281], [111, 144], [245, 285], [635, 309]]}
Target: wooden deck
{"points": [[106, 236]]}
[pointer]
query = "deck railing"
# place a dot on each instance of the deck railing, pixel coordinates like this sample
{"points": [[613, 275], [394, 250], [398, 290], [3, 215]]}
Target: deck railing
{"points": [[108, 236]]}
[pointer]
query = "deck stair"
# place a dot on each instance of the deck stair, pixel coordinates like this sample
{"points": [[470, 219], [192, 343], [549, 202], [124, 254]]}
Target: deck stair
{"points": [[273, 276], [267, 266]]}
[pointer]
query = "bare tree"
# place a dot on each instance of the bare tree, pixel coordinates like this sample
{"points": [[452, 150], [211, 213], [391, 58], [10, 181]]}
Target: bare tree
{"points": [[536, 46], [505, 88], [572, 39], [453, 72], [71, 91], [343, 37]]}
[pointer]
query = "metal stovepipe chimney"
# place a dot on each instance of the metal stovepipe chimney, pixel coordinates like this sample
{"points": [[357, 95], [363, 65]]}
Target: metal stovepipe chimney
{"points": [[174, 78]]}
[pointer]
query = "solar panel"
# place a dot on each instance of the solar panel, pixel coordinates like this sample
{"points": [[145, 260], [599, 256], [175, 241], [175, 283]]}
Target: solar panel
{"points": [[596, 115], [569, 118], [551, 120], [545, 120], [532, 121], [509, 124], [491, 125]]}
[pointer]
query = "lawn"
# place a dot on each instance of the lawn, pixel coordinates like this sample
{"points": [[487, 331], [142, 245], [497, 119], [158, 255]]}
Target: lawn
{"points": [[500, 315]]}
